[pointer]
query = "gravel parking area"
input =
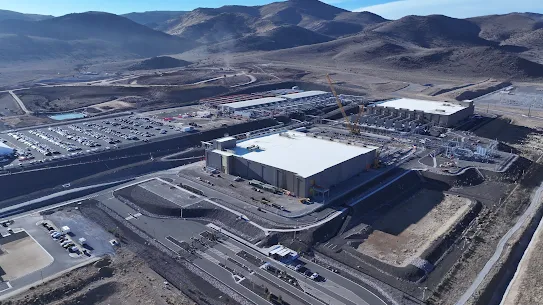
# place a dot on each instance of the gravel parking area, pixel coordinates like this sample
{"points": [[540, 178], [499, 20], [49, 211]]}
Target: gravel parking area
{"points": [[515, 97]]}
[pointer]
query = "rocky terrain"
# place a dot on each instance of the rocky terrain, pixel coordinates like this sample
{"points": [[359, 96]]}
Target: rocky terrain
{"points": [[298, 31], [123, 279]]}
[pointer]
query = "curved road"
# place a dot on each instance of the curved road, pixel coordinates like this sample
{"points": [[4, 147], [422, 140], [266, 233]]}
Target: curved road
{"points": [[19, 102]]}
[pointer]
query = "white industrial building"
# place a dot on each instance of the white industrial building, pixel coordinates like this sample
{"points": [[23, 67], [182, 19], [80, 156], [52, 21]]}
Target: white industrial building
{"points": [[250, 104], [304, 94], [294, 161], [285, 99], [6, 151], [404, 111]]}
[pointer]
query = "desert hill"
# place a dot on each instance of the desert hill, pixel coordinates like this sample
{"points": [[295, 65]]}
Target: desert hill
{"points": [[84, 35], [153, 19], [5, 14], [233, 22]]}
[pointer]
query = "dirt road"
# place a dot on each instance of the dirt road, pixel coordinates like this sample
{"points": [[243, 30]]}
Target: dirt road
{"points": [[19, 102]]}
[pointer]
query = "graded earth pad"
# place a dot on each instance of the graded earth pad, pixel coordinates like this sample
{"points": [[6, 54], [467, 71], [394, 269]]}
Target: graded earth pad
{"points": [[410, 228], [21, 255]]}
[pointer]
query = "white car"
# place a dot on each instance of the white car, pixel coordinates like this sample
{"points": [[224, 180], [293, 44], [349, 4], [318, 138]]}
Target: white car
{"points": [[314, 276]]}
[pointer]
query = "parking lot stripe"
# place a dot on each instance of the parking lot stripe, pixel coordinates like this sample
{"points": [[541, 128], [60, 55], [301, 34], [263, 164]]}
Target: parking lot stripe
{"points": [[8, 285], [208, 257]]}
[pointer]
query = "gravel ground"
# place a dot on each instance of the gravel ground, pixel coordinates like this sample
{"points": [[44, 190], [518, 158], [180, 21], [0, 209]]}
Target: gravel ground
{"points": [[402, 234]]}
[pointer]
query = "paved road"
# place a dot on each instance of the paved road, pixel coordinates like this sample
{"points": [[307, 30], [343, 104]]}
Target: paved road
{"points": [[19, 102], [536, 198], [336, 287], [24, 206], [252, 79], [336, 290]]}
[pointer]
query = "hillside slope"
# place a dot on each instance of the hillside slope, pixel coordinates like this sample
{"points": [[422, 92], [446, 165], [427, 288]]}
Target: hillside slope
{"points": [[85, 35], [432, 43], [4, 15], [153, 19], [226, 23]]}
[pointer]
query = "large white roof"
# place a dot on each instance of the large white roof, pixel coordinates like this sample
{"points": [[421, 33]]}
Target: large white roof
{"points": [[253, 103], [298, 153], [303, 94], [423, 105], [5, 150]]}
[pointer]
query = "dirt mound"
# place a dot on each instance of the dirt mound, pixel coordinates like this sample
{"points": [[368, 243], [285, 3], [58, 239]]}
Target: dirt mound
{"points": [[106, 271], [106, 261]]}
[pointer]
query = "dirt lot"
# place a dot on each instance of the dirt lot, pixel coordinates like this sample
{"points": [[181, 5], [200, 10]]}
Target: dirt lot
{"points": [[521, 133], [21, 257], [22, 121], [68, 98], [527, 288], [56, 99], [125, 280], [408, 229], [112, 105]]}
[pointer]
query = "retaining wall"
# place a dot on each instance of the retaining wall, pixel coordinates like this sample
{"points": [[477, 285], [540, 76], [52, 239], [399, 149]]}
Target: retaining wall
{"points": [[29, 181]]}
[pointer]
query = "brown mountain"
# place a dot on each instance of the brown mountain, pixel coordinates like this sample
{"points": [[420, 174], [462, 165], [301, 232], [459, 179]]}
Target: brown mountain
{"points": [[251, 22], [280, 37], [153, 19], [85, 35], [437, 44], [4, 15], [502, 27]]}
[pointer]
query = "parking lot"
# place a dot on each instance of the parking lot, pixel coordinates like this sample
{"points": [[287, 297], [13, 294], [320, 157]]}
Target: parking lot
{"points": [[36, 252], [67, 141]]}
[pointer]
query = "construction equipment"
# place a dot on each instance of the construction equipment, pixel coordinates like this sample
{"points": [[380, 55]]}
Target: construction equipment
{"points": [[354, 127]]}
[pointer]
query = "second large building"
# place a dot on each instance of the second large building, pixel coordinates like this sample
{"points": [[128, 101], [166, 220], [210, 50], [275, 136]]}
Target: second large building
{"points": [[294, 161]]}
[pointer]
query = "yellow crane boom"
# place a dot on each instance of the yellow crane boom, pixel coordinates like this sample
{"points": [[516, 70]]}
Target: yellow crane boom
{"points": [[353, 127]]}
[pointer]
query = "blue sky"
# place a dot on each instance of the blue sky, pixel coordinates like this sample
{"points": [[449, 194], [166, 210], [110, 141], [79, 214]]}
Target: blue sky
{"points": [[387, 8]]}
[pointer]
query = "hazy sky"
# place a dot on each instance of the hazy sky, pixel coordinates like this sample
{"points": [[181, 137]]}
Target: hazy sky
{"points": [[386, 8]]}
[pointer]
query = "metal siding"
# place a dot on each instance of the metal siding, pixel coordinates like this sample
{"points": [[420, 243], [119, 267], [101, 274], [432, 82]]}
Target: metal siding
{"points": [[214, 160], [269, 175], [255, 170]]}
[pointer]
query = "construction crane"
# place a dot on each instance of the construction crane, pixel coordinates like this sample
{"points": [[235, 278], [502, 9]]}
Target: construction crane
{"points": [[354, 127]]}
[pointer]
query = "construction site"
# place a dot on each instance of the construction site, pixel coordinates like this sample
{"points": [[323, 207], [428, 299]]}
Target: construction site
{"points": [[370, 201]]}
